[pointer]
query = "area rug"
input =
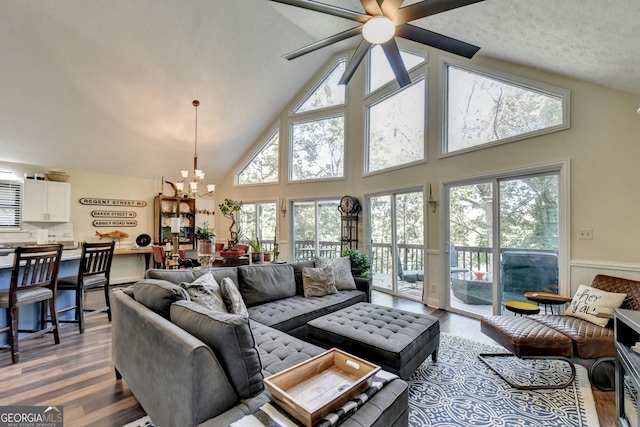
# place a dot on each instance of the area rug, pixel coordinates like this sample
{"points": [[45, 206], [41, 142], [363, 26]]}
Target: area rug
{"points": [[460, 390]]}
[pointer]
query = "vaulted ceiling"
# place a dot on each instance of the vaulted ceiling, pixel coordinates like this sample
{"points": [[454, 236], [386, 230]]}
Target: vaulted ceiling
{"points": [[107, 85]]}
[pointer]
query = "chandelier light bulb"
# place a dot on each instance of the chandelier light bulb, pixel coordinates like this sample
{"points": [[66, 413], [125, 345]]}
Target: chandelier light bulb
{"points": [[185, 174], [211, 188], [378, 30]]}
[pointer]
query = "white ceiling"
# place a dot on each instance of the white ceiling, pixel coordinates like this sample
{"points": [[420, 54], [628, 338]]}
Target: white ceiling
{"points": [[107, 85]]}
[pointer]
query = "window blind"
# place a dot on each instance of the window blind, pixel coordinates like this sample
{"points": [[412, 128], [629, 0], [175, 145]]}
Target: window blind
{"points": [[10, 204]]}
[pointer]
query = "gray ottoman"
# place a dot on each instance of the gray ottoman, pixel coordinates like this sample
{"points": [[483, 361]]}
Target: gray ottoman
{"points": [[396, 340]]}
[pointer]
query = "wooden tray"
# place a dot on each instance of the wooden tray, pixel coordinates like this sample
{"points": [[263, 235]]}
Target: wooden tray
{"points": [[312, 389]]}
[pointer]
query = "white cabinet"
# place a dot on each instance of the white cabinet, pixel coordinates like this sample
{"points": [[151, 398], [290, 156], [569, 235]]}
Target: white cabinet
{"points": [[46, 201]]}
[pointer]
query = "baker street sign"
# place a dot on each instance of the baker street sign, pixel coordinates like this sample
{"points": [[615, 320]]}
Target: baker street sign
{"points": [[32, 416]]}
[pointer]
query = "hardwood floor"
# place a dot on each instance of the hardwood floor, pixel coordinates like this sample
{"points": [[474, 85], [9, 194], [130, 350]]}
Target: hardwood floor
{"points": [[78, 374]]}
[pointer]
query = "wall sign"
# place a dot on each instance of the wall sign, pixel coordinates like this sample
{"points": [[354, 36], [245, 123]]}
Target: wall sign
{"points": [[113, 202], [114, 223], [113, 214]]}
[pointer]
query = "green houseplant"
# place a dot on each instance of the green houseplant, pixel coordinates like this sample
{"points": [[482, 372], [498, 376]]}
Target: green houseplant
{"points": [[360, 262], [256, 250], [229, 208]]}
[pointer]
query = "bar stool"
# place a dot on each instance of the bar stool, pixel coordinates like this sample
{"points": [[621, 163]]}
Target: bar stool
{"points": [[94, 271], [33, 280]]}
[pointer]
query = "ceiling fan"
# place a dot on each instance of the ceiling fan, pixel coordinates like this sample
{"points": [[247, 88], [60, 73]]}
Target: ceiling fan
{"points": [[383, 20]]}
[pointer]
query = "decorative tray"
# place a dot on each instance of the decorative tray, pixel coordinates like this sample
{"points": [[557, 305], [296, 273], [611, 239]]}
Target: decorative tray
{"points": [[311, 390], [231, 254]]}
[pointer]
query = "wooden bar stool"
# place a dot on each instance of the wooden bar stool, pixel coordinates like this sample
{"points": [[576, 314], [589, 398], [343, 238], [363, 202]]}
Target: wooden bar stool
{"points": [[94, 271], [520, 307], [33, 280]]}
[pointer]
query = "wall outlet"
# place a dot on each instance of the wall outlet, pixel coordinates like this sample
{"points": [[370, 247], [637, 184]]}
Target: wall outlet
{"points": [[585, 234]]}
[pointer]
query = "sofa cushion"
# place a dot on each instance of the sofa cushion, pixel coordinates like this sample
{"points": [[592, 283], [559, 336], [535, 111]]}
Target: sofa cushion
{"points": [[206, 292], [232, 298], [259, 284], [589, 301], [318, 282], [158, 295], [230, 338], [173, 276], [278, 350], [290, 313], [589, 340], [219, 273], [297, 273], [341, 270]]}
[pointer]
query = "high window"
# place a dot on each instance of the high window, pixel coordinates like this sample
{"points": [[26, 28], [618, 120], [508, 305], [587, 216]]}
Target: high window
{"points": [[396, 128], [317, 130], [263, 166], [395, 118], [380, 72], [486, 107], [10, 204]]}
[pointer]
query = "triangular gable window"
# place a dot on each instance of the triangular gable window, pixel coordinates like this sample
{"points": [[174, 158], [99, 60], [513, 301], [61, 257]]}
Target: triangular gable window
{"points": [[380, 72], [263, 167], [328, 93]]}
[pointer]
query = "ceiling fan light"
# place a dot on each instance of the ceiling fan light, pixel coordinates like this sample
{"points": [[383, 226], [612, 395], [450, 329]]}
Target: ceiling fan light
{"points": [[378, 30]]}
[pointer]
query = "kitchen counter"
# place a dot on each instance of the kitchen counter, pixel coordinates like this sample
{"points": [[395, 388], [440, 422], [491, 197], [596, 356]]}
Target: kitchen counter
{"points": [[6, 259]]}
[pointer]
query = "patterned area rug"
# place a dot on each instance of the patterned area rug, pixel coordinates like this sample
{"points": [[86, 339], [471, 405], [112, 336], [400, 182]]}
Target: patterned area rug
{"points": [[460, 390]]}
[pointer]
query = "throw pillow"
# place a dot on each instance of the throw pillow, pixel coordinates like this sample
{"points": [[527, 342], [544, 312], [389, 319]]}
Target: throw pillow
{"points": [[158, 295], [588, 302], [318, 282], [206, 292], [341, 270], [232, 298], [231, 340]]}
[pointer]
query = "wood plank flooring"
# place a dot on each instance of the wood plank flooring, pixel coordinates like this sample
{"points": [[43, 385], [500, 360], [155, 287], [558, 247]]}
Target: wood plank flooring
{"points": [[78, 373]]}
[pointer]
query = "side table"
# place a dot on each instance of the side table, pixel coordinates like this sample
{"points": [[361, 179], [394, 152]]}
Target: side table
{"points": [[547, 299]]}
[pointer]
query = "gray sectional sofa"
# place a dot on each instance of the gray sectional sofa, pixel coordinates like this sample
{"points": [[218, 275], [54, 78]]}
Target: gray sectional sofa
{"points": [[182, 381]]}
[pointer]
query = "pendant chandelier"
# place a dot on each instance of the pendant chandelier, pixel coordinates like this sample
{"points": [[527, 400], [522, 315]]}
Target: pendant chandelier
{"points": [[198, 174]]}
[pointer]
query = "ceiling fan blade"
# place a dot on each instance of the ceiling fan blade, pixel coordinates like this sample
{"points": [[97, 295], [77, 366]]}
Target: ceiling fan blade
{"points": [[327, 9], [355, 60], [371, 7], [436, 40], [390, 7], [324, 42], [395, 60], [427, 8]]}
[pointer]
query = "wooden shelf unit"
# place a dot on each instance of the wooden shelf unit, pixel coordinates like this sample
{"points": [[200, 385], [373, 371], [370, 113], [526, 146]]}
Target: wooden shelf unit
{"points": [[166, 208]]}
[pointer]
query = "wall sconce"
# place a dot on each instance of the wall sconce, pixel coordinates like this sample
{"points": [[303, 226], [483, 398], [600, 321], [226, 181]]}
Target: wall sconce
{"points": [[283, 208], [433, 203]]}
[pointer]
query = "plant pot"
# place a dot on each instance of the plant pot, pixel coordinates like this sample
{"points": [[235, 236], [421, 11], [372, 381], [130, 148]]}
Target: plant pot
{"points": [[267, 257], [205, 247], [257, 257]]}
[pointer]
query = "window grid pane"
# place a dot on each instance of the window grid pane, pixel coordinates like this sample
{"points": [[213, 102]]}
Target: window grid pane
{"points": [[482, 110], [318, 149]]}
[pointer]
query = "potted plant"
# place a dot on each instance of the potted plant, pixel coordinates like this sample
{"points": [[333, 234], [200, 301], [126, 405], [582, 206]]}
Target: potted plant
{"points": [[204, 235], [360, 262], [257, 255], [229, 208]]}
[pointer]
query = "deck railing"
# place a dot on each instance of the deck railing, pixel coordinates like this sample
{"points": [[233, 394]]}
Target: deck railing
{"points": [[471, 258]]}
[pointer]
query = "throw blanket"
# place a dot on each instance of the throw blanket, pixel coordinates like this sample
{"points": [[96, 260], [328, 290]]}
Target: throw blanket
{"points": [[271, 415]]}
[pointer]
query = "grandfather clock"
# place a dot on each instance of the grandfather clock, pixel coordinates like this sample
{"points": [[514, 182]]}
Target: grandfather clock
{"points": [[350, 208]]}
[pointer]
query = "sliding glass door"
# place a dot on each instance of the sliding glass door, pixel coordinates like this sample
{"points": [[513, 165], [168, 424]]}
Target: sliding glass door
{"points": [[504, 240], [397, 242]]}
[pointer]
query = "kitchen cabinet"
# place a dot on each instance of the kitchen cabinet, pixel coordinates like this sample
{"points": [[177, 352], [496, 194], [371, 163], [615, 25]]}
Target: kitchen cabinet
{"points": [[46, 201], [167, 208]]}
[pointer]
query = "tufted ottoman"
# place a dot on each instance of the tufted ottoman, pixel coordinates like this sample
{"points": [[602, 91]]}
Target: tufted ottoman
{"points": [[396, 340]]}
